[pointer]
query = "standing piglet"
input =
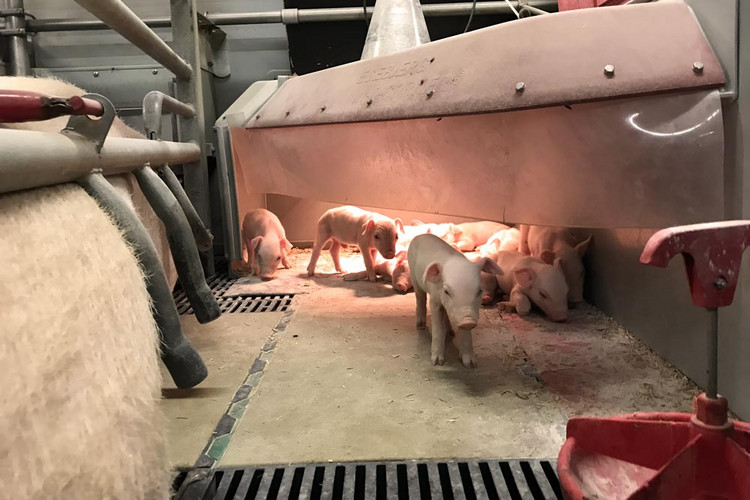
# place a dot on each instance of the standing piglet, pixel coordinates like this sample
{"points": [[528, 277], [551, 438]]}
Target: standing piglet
{"points": [[265, 243], [349, 225], [452, 282], [549, 243], [470, 235], [528, 279]]}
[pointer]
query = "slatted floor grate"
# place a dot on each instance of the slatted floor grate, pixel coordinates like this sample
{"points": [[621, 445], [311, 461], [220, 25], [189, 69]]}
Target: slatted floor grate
{"points": [[471, 479], [220, 283]]}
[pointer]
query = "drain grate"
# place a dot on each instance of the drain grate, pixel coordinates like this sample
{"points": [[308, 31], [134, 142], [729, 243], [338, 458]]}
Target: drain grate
{"points": [[220, 283], [471, 479]]}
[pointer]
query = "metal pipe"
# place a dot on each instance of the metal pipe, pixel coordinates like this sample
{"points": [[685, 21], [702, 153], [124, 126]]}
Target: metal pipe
{"points": [[181, 244], [203, 237], [182, 360], [20, 65], [534, 10], [713, 354], [32, 159], [294, 16], [120, 18], [154, 103], [186, 41], [396, 25]]}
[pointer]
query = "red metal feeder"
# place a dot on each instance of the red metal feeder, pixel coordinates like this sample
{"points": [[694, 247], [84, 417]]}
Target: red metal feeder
{"points": [[671, 455]]}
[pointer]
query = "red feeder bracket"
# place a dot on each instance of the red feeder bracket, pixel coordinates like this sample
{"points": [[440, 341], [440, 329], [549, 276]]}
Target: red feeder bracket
{"points": [[671, 455], [23, 106]]}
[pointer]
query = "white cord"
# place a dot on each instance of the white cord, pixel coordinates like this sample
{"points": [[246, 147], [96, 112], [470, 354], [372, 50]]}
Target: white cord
{"points": [[513, 9]]}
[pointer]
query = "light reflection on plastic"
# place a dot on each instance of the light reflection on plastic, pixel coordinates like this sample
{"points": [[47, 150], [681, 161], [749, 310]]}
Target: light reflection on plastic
{"points": [[632, 118]]}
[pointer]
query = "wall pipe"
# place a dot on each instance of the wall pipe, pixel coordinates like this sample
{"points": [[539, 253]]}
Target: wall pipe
{"points": [[32, 159], [181, 244], [20, 65], [181, 359], [295, 16], [120, 18]]}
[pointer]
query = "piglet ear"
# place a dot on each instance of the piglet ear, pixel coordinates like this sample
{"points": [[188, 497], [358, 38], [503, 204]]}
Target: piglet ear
{"points": [[583, 246], [487, 265], [525, 277], [368, 227], [255, 242], [286, 244], [401, 255], [557, 263], [547, 256], [433, 273], [399, 224]]}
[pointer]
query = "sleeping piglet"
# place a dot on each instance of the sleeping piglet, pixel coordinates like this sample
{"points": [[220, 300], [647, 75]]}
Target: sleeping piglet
{"points": [[470, 235], [396, 269], [265, 242], [549, 243], [528, 279], [349, 225], [505, 239], [452, 282]]}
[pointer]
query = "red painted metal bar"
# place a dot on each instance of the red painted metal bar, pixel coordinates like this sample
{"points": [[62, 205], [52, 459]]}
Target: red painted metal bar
{"points": [[23, 106]]}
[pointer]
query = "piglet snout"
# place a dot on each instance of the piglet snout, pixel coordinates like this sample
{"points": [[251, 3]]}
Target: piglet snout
{"points": [[467, 324], [266, 277], [562, 318], [390, 255]]}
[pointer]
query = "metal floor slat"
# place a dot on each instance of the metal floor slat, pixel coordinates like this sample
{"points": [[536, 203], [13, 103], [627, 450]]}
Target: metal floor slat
{"points": [[220, 283], [459, 479]]}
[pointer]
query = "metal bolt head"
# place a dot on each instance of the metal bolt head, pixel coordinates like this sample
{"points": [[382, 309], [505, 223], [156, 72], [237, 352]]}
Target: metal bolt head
{"points": [[520, 87], [154, 71], [430, 93], [697, 67], [720, 283], [369, 102], [322, 108], [96, 74], [609, 70], [257, 117]]}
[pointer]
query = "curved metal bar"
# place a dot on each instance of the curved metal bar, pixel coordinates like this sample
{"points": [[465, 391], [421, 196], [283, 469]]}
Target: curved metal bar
{"points": [[154, 103], [181, 244], [182, 360], [203, 237]]}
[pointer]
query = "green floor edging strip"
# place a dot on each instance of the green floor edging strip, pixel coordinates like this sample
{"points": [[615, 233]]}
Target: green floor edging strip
{"points": [[225, 428]]}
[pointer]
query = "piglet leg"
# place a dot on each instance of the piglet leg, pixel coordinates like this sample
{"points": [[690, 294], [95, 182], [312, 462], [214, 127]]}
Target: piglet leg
{"points": [[320, 240], [489, 286], [367, 256], [438, 332], [421, 296], [285, 260], [518, 301], [250, 256], [465, 348], [335, 249]]}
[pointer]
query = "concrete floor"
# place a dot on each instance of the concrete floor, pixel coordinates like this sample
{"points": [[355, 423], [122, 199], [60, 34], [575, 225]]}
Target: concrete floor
{"points": [[351, 379]]}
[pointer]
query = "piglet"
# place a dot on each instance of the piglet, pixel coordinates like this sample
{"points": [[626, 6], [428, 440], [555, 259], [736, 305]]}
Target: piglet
{"points": [[528, 279], [549, 243], [452, 282], [265, 243], [470, 235], [396, 269], [505, 239], [349, 225]]}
